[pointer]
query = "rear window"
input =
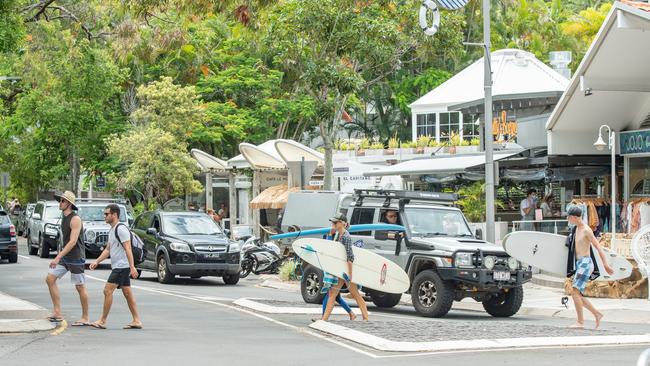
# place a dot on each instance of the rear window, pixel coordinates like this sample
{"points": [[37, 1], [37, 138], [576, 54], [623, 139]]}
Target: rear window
{"points": [[4, 219]]}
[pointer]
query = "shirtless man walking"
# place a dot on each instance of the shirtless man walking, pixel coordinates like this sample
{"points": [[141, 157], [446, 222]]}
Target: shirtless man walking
{"points": [[584, 238]]}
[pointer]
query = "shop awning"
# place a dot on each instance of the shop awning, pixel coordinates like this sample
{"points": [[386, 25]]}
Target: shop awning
{"points": [[263, 156], [611, 86], [290, 150], [275, 197], [208, 162], [452, 164]]}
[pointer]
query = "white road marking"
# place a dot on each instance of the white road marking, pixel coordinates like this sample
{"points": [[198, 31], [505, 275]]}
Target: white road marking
{"points": [[23, 256], [293, 327]]}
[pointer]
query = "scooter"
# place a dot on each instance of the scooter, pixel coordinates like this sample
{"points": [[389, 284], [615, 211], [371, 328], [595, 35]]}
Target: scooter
{"points": [[259, 258]]}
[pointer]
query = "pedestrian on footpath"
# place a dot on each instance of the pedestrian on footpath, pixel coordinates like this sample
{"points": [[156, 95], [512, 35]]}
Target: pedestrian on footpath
{"points": [[339, 224], [122, 265], [527, 209], [69, 259], [581, 265]]}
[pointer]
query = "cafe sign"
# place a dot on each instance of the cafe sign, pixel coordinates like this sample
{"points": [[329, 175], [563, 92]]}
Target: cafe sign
{"points": [[634, 142]]}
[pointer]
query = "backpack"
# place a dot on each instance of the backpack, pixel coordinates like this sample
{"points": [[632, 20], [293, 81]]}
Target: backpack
{"points": [[137, 245]]}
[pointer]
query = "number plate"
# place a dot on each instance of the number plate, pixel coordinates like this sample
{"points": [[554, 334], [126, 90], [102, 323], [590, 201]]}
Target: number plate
{"points": [[501, 276], [216, 255]]}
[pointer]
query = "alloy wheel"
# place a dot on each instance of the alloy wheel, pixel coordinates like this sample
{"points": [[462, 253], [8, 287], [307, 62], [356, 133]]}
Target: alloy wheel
{"points": [[427, 293], [162, 268], [312, 284]]}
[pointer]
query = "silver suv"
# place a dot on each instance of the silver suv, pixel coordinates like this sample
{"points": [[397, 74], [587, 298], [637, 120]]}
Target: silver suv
{"points": [[438, 251], [43, 229], [95, 229]]}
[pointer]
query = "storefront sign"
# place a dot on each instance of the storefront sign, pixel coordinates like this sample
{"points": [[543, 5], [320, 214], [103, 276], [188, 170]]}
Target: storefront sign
{"points": [[501, 126], [634, 142]]}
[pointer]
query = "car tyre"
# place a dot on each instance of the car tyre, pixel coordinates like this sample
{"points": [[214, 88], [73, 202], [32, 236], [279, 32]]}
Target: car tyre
{"points": [[505, 304], [431, 296], [43, 247], [30, 245], [384, 300], [311, 284], [231, 279], [164, 275], [13, 258]]}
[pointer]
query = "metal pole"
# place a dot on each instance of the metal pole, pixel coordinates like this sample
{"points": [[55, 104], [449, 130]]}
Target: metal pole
{"points": [[612, 145], [489, 159]]}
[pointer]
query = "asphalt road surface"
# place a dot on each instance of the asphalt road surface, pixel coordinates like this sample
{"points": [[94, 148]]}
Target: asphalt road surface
{"points": [[193, 322]]}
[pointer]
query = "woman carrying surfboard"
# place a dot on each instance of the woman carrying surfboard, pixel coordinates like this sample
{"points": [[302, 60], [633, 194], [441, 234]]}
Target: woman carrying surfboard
{"points": [[339, 224]]}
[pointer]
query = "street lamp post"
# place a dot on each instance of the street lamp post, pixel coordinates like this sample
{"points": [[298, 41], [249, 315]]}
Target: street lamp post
{"points": [[489, 158], [600, 145]]}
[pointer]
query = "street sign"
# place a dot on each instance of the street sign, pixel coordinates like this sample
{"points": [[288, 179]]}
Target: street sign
{"points": [[100, 182], [5, 180]]}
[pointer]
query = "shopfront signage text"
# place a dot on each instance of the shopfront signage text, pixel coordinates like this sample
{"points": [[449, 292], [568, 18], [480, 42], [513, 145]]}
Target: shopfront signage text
{"points": [[634, 142]]}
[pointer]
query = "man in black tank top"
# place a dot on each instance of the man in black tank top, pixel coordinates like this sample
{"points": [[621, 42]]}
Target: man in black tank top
{"points": [[71, 259]]}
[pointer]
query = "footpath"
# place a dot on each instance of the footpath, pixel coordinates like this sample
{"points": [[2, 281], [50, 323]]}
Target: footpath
{"points": [[538, 301], [20, 316]]}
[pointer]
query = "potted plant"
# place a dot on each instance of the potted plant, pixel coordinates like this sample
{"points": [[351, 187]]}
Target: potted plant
{"points": [[363, 146], [454, 141], [376, 148], [393, 143], [421, 143], [408, 147]]}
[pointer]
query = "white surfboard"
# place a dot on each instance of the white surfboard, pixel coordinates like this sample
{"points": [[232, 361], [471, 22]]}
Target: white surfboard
{"points": [[549, 253], [368, 270]]}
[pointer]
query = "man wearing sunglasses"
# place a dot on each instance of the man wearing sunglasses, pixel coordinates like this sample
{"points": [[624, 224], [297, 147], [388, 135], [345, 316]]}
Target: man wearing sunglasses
{"points": [[122, 264]]}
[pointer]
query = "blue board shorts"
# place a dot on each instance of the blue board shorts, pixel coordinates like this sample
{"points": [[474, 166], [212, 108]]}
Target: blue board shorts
{"points": [[584, 268]]}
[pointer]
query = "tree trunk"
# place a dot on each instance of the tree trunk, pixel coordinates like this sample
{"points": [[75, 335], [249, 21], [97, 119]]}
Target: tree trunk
{"points": [[328, 169]]}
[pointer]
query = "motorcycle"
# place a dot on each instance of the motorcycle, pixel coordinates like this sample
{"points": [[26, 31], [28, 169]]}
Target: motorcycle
{"points": [[259, 258]]}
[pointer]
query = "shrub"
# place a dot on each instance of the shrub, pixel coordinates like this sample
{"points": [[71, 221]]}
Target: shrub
{"points": [[288, 271]]}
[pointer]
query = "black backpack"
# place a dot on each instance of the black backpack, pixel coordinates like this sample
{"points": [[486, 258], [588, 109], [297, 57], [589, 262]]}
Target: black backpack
{"points": [[137, 245]]}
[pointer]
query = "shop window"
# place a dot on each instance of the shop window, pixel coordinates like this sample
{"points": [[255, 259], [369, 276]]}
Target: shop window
{"points": [[471, 129], [449, 123], [426, 124]]}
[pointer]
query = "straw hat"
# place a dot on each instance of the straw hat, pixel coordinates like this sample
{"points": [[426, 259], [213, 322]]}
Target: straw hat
{"points": [[68, 196]]}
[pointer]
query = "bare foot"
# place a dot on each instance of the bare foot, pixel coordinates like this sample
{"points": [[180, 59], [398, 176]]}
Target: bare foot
{"points": [[599, 317], [577, 326], [365, 319], [353, 316]]}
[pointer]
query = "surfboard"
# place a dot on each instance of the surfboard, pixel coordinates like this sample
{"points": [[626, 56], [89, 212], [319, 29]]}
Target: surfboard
{"points": [[351, 229], [549, 253], [368, 269]]}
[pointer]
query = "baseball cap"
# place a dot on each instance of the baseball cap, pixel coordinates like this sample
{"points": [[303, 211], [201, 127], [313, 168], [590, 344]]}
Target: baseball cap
{"points": [[339, 217]]}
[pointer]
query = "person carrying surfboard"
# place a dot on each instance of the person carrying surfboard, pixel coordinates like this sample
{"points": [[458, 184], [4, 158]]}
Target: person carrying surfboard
{"points": [[581, 265], [341, 235]]}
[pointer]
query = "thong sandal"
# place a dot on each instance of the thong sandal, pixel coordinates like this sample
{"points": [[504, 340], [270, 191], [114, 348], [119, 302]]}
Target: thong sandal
{"points": [[80, 324], [97, 325], [55, 319], [132, 326]]}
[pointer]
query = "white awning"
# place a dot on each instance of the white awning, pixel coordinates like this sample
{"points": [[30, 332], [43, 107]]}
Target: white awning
{"points": [[516, 74], [208, 162], [290, 150], [451, 164], [264, 156], [611, 86]]}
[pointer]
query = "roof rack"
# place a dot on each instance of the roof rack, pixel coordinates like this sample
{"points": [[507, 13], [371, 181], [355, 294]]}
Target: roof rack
{"points": [[404, 196], [101, 200]]}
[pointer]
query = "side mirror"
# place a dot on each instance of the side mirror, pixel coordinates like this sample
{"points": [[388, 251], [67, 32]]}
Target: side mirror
{"points": [[479, 234], [381, 235], [152, 231], [36, 216], [226, 232]]}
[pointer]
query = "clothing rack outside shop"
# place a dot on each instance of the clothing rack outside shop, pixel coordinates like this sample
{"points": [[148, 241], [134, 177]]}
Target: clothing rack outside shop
{"points": [[544, 225]]}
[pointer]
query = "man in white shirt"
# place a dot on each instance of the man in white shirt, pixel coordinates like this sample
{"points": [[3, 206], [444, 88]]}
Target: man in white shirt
{"points": [[122, 264], [527, 209]]}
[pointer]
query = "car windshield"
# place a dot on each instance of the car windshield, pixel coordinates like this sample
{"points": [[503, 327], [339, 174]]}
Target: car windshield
{"points": [[52, 213], [190, 225], [96, 213], [427, 222]]}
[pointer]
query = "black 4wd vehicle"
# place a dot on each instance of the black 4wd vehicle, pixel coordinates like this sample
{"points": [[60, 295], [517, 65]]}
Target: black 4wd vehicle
{"points": [[443, 259]]}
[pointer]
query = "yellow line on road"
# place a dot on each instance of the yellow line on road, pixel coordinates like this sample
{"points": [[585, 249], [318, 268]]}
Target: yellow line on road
{"points": [[60, 329]]}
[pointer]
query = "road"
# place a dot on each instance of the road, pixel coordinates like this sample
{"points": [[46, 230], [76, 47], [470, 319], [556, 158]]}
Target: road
{"points": [[194, 322]]}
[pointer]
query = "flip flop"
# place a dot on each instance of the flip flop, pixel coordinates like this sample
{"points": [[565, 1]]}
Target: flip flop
{"points": [[80, 324], [132, 326], [55, 319], [97, 325]]}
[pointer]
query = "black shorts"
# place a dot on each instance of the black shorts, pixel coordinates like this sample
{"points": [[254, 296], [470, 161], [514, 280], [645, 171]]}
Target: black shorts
{"points": [[120, 277]]}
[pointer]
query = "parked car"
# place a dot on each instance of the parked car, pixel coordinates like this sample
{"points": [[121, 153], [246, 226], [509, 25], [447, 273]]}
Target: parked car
{"points": [[43, 230], [444, 260], [8, 242], [186, 244], [23, 219], [95, 229]]}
